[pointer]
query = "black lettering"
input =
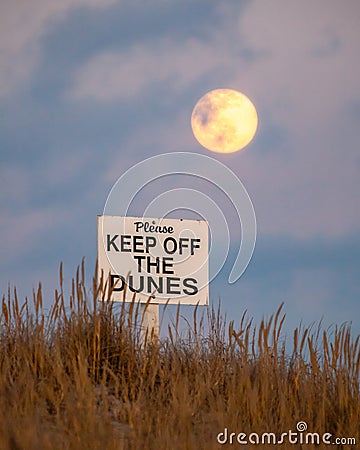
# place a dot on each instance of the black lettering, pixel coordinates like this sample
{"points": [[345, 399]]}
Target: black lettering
{"points": [[174, 244], [166, 265], [150, 264], [172, 283], [183, 243], [131, 284], [114, 283], [124, 242], [138, 241], [110, 242], [151, 285], [138, 225], [139, 259], [189, 283], [195, 243], [150, 242], [152, 228]]}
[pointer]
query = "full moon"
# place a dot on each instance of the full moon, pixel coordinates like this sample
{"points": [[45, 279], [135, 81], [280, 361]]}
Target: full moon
{"points": [[224, 121]]}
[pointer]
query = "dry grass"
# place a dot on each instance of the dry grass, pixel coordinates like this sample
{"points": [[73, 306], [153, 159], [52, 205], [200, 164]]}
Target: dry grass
{"points": [[78, 378]]}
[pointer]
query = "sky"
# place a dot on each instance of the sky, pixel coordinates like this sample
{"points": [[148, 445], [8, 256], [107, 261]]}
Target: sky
{"points": [[89, 88]]}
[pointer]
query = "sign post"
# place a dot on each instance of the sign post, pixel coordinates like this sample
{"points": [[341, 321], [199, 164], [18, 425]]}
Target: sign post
{"points": [[149, 322], [160, 261]]}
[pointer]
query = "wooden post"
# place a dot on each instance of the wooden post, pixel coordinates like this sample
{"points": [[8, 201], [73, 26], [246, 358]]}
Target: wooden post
{"points": [[149, 323]]}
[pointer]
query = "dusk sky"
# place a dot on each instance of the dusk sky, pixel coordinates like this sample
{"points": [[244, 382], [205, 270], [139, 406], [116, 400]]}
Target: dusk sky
{"points": [[91, 87]]}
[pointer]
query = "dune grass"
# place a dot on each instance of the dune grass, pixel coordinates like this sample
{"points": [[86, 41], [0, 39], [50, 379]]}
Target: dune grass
{"points": [[79, 377]]}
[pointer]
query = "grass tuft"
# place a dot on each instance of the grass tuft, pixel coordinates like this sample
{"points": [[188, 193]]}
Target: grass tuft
{"points": [[78, 377]]}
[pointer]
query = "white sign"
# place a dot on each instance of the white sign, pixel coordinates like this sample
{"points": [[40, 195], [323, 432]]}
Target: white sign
{"points": [[162, 259]]}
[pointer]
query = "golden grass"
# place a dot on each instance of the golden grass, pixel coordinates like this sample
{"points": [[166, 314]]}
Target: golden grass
{"points": [[77, 377]]}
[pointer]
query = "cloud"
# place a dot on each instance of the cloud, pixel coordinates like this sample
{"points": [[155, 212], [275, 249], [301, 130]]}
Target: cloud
{"points": [[128, 73], [14, 185], [307, 65], [25, 229], [22, 25], [295, 56], [291, 58], [39, 204]]}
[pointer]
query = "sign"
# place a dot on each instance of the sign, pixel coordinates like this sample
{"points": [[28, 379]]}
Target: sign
{"points": [[162, 259]]}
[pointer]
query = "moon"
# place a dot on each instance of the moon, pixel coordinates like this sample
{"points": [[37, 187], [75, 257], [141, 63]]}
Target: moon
{"points": [[224, 121]]}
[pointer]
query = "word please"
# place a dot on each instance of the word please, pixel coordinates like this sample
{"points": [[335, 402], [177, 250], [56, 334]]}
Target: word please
{"points": [[143, 244], [153, 228]]}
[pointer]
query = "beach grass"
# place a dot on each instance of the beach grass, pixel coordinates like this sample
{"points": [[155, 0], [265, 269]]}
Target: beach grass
{"points": [[79, 376]]}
